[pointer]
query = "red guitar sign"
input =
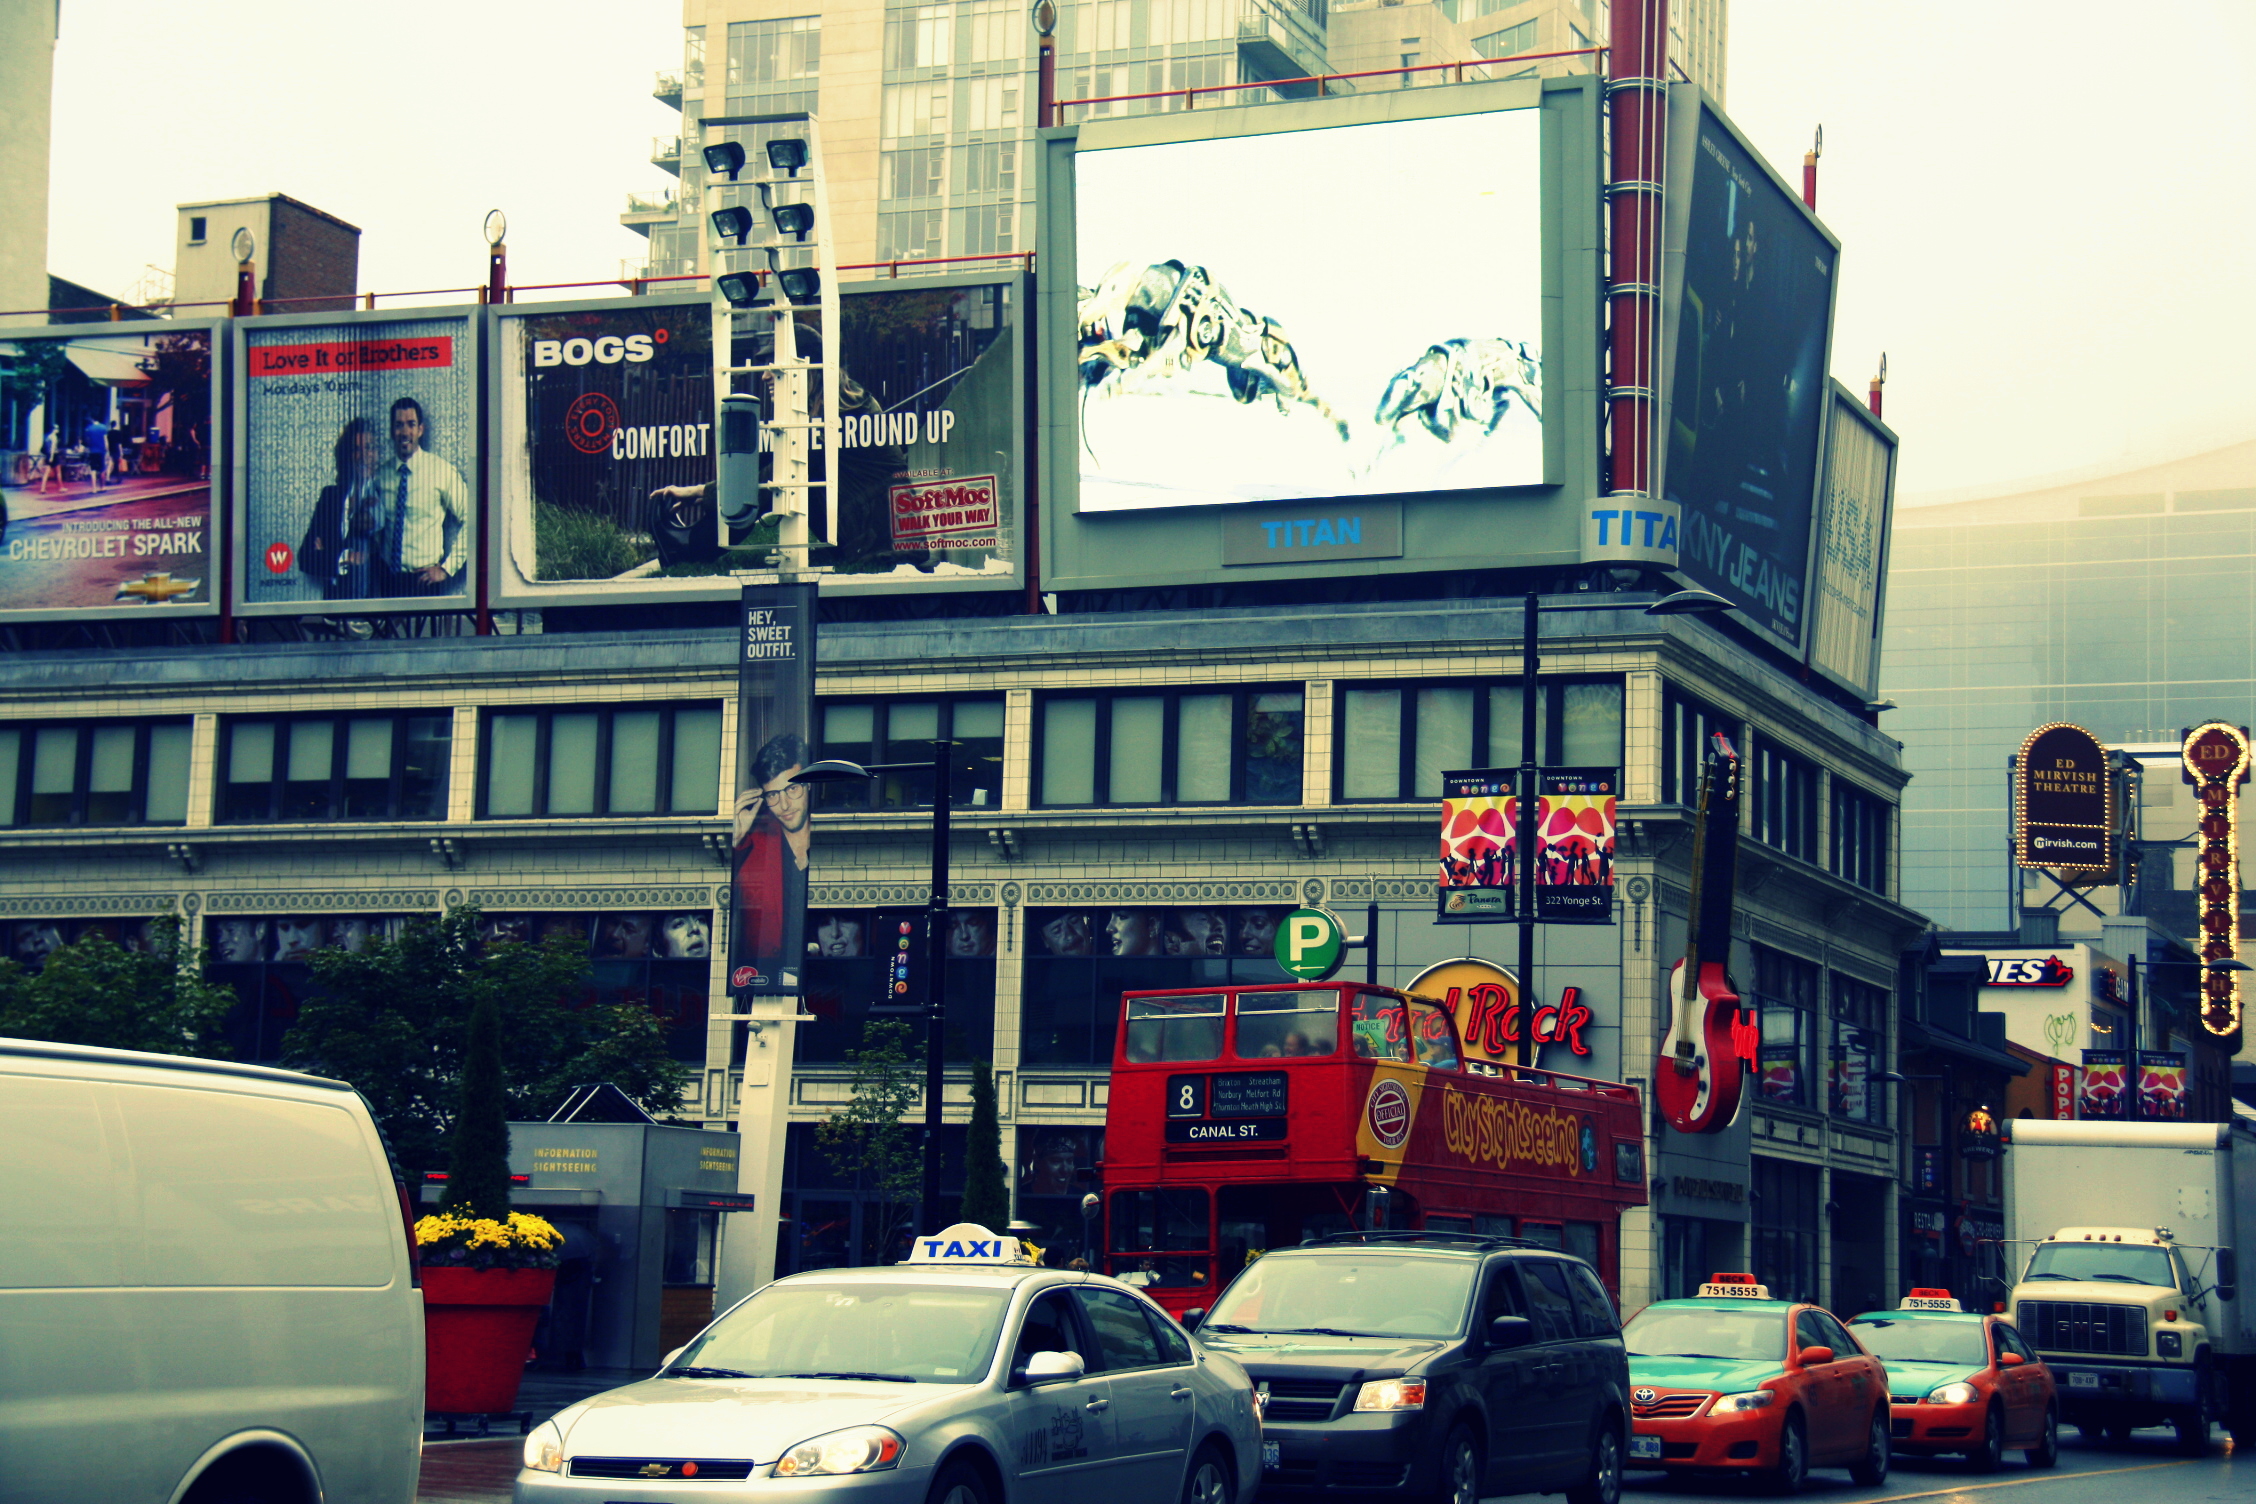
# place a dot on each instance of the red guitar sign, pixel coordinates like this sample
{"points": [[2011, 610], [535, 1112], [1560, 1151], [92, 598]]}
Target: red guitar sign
{"points": [[1713, 1039]]}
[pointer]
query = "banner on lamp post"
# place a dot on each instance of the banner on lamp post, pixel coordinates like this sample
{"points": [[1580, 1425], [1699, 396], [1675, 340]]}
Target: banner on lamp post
{"points": [[773, 826]]}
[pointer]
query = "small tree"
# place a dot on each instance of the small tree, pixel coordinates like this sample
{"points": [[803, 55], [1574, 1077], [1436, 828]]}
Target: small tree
{"points": [[478, 1167], [96, 992], [870, 1137], [986, 1197]]}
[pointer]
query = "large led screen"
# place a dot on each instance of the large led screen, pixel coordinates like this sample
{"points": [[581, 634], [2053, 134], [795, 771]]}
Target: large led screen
{"points": [[1747, 400], [107, 504], [1340, 312], [1852, 546], [360, 459]]}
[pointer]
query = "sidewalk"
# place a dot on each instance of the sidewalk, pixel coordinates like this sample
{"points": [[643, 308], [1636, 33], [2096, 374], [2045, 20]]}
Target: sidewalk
{"points": [[468, 1469], [26, 502]]}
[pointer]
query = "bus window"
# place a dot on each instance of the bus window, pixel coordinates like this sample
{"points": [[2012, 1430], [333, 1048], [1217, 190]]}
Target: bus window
{"points": [[1379, 1033], [1582, 1241], [1437, 1039], [1161, 1220], [1448, 1222], [1175, 1028], [1543, 1234], [1290, 1025]]}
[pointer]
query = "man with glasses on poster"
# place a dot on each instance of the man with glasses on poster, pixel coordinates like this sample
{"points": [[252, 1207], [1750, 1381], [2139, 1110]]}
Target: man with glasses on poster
{"points": [[430, 507]]}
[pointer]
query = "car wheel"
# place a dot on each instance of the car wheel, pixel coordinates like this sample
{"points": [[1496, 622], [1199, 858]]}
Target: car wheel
{"points": [[1871, 1469], [1793, 1458], [1985, 1457], [1210, 1481], [960, 1483], [1460, 1468], [2192, 1427], [1603, 1483], [2046, 1453]]}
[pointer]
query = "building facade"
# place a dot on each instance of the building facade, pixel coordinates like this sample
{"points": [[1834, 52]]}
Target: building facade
{"points": [[308, 260], [27, 92]]}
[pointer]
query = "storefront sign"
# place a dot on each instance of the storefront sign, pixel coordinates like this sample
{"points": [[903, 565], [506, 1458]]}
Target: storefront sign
{"points": [[1484, 998], [2025, 972], [2216, 764], [2063, 1093], [1978, 1135], [2063, 802], [1697, 1188]]}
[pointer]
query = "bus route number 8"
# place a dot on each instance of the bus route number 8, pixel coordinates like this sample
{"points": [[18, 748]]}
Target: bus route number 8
{"points": [[1186, 1096]]}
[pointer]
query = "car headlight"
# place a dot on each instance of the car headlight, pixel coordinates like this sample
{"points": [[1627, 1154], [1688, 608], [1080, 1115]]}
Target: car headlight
{"points": [[1952, 1394], [1392, 1394], [1753, 1399], [2169, 1344], [857, 1449], [544, 1448]]}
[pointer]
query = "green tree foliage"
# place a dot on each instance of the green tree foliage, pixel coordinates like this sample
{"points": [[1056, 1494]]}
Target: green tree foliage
{"points": [[94, 991], [478, 1167], [986, 1198], [393, 1019], [870, 1138]]}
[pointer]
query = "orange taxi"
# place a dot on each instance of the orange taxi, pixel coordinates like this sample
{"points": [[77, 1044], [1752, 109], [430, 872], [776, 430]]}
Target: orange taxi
{"points": [[1736, 1381], [1961, 1381]]}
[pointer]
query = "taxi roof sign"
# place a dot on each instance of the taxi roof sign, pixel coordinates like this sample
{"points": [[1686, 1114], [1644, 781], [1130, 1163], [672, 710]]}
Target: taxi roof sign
{"points": [[1923, 1298], [1734, 1285], [967, 1243]]}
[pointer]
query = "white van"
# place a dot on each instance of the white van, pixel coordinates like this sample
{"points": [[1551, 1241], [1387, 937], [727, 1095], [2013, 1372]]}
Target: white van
{"points": [[207, 1289]]}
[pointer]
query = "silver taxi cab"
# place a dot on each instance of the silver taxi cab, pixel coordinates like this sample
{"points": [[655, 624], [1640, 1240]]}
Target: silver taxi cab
{"points": [[965, 1375]]}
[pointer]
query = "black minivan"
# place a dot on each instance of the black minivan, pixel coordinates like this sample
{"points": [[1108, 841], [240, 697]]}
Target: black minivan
{"points": [[1435, 1364]]}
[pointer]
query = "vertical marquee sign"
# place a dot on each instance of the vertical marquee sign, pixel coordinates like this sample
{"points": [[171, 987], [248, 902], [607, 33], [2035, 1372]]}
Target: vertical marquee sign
{"points": [[2216, 764], [2064, 802]]}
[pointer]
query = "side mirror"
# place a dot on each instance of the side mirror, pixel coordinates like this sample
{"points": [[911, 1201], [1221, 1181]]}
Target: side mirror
{"points": [[1510, 1331], [2228, 1274], [1192, 1318], [1811, 1355], [2010, 1360], [1054, 1366]]}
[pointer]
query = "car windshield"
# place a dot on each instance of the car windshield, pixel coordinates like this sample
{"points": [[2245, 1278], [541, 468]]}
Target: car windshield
{"points": [[909, 1333], [1363, 1294], [2122, 1263], [1743, 1336], [1916, 1341]]}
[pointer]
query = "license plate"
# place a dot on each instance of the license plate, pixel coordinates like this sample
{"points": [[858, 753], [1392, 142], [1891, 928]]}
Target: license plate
{"points": [[1642, 1447], [1270, 1461], [2083, 1381]]}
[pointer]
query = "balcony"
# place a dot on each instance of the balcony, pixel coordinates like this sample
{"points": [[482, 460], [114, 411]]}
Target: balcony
{"points": [[1282, 39], [656, 266], [668, 89], [665, 151], [643, 211]]}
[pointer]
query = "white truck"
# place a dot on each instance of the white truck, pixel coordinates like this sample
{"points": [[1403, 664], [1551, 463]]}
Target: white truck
{"points": [[2129, 1291]]}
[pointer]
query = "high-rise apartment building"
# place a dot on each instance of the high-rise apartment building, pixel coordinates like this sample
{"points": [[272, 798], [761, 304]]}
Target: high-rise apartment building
{"points": [[928, 110]]}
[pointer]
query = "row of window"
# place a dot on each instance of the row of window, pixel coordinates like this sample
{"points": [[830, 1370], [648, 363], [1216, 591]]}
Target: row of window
{"points": [[1823, 1039]]}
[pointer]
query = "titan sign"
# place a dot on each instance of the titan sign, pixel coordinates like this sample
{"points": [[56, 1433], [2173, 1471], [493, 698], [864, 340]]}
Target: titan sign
{"points": [[1747, 392], [1236, 346], [2064, 802], [358, 463], [2216, 764], [109, 509]]}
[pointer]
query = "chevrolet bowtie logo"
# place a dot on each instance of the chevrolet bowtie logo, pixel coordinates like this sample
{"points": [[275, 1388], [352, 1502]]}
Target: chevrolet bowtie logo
{"points": [[655, 1470], [157, 588]]}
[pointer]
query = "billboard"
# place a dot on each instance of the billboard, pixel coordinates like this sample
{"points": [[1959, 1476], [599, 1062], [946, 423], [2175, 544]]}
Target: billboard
{"points": [[2063, 801], [1574, 846], [358, 472], [1236, 346], [1852, 545], [1749, 317], [108, 512], [605, 448], [773, 830]]}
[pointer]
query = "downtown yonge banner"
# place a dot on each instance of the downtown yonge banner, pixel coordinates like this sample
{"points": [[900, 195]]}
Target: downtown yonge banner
{"points": [[359, 463], [607, 450], [108, 511], [1574, 846]]}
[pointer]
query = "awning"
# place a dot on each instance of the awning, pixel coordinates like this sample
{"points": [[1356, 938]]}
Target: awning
{"points": [[1919, 1036], [109, 367]]}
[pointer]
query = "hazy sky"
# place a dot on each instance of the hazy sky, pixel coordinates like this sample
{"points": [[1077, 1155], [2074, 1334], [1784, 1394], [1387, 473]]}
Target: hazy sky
{"points": [[2044, 206]]}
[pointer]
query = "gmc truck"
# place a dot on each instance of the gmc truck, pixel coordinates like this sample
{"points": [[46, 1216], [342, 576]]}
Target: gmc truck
{"points": [[2130, 1291]]}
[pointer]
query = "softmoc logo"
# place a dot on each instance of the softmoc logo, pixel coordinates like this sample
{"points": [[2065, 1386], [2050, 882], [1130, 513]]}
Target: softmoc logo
{"points": [[1389, 1114], [278, 558], [958, 512], [427, 351]]}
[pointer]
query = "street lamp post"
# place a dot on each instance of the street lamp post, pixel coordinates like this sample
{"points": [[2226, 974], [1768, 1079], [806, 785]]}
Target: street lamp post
{"points": [[838, 770]]}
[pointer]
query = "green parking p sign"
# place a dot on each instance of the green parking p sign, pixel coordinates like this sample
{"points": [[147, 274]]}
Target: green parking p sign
{"points": [[1310, 944]]}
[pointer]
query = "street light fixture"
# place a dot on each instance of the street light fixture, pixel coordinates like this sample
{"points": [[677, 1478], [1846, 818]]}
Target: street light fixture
{"points": [[1690, 603], [839, 770]]}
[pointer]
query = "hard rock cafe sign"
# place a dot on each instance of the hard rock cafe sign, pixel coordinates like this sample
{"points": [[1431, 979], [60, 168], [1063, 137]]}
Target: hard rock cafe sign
{"points": [[2216, 764], [1484, 999]]}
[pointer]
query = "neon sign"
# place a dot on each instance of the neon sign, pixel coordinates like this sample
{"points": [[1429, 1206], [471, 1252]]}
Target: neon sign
{"points": [[2216, 764]]}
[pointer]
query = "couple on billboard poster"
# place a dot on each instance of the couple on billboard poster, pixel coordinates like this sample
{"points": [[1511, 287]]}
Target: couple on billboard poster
{"points": [[360, 441]]}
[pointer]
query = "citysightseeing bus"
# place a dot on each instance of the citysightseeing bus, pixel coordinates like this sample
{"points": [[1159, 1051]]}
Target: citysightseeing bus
{"points": [[1248, 1118]]}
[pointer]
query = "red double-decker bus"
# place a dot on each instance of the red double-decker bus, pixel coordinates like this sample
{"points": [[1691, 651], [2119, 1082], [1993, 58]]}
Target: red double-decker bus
{"points": [[1248, 1118]]}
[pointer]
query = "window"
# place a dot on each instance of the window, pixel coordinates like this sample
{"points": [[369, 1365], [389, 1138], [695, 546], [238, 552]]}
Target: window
{"points": [[1124, 1337], [915, 173], [1226, 746], [1686, 726], [1175, 1028], [196, 224], [914, 110], [762, 54], [1395, 742], [617, 760], [1860, 1021], [1785, 1227], [851, 977], [1079, 962], [985, 229], [1164, 1220], [918, 37], [1591, 1299], [95, 773], [1510, 42], [1550, 1306], [990, 167], [990, 104], [909, 236], [1860, 836], [359, 767], [1786, 991], [998, 30], [876, 731], [1274, 1025], [1782, 794]]}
